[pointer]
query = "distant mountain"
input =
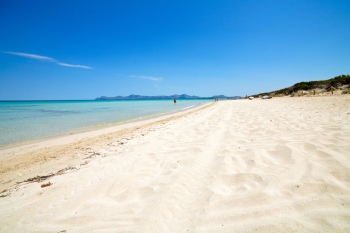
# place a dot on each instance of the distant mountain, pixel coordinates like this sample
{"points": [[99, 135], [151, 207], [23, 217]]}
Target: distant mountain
{"points": [[160, 97], [221, 96], [143, 97]]}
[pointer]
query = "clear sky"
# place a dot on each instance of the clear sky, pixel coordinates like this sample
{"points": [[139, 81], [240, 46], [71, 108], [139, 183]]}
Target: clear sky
{"points": [[85, 49]]}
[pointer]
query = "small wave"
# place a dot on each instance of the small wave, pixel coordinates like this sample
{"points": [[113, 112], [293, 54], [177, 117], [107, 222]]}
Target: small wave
{"points": [[188, 107]]}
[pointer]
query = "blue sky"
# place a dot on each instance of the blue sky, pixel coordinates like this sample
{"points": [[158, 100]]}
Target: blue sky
{"points": [[85, 49]]}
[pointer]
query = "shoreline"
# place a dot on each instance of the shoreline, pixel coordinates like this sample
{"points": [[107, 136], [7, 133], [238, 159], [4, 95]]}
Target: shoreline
{"points": [[97, 126], [13, 152], [245, 166]]}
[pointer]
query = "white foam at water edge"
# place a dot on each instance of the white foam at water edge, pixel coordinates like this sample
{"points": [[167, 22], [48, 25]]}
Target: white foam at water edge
{"points": [[188, 107]]}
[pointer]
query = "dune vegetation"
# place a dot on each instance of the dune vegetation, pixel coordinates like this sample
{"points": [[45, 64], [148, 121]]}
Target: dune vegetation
{"points": [[341, 82]]}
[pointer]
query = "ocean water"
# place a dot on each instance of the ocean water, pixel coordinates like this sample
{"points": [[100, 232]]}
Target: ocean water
{"points": [[24, 121]]}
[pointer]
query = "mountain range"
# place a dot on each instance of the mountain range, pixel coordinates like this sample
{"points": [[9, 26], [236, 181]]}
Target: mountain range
{"points": [[160, 97]]}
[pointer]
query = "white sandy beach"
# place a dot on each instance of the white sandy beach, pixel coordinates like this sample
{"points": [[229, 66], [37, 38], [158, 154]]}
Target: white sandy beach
{"points": [[278, 165]]}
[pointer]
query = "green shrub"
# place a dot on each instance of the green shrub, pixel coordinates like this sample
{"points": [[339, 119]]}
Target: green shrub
{"points": [[311, 85]]}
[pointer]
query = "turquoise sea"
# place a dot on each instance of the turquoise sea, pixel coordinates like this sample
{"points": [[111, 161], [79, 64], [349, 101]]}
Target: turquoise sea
{"points": [[24, 121]]}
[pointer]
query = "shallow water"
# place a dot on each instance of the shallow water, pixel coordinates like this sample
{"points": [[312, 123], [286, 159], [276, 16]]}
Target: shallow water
{"points": [[22, 121]]}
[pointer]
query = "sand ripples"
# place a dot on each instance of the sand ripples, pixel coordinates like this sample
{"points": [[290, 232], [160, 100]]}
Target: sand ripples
{"points": [[279, 165]]}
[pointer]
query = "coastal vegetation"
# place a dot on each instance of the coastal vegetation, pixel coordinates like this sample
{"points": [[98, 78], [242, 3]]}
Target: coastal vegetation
{"points": [[338, 82]]}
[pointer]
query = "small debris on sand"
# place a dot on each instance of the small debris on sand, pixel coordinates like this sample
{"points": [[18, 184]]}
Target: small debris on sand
{"points": [[45, 185]]}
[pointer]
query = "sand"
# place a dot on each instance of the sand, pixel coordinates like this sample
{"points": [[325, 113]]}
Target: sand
{"points": [[278, 165]]}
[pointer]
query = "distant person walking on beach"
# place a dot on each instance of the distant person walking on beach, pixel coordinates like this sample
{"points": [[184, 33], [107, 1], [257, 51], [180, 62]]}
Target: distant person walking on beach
{"points": [[174, 101]]}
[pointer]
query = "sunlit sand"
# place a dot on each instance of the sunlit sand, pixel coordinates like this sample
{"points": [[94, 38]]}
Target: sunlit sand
{"points": [[277, 165]]}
